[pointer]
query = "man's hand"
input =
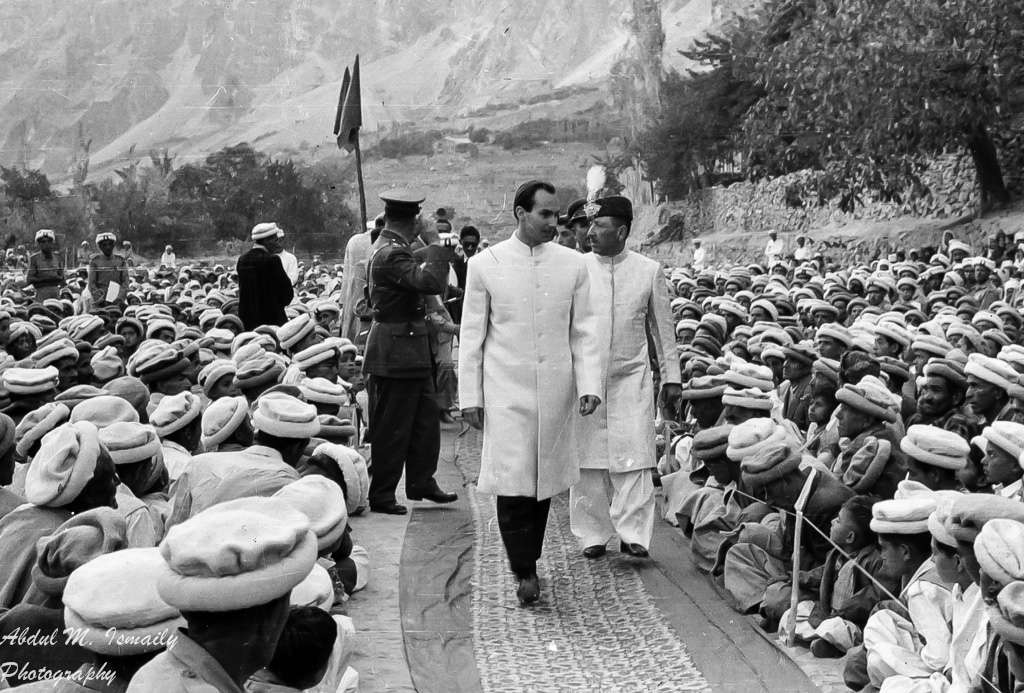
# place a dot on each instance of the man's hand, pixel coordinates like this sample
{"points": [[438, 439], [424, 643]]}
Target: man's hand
{"points": [[671, 398], [474, 416], [588, 404]]}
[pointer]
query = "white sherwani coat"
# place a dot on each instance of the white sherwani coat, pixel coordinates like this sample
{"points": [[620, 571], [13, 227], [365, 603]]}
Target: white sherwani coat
{"points": [[528, 351], [630, 298], [353, 279]]}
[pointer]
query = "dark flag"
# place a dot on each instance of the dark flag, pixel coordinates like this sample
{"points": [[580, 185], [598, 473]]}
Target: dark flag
{"points": [[349, 117]]}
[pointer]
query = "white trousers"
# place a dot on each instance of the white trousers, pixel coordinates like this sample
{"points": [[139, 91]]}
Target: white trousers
{"points": [[603, 504]]}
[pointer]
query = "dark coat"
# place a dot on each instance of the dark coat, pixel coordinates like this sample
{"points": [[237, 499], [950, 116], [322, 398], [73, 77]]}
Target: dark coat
{"points": [[263, 289]]}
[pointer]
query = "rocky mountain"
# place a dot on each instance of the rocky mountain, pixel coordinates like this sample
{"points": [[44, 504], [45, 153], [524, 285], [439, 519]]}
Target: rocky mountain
{"points": [[196, 75]]}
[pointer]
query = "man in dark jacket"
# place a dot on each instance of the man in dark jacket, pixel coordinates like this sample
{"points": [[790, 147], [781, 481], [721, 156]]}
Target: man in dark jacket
{"points": [[404, 414], [263, 287]]}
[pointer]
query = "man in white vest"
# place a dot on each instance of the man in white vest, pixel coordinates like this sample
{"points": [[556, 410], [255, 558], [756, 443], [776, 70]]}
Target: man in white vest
{"points": [[529, 367], [615, 493]]}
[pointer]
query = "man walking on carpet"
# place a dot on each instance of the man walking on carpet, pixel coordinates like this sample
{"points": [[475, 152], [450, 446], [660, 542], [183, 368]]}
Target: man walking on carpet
{"points": [[529, 348], [615, 493]]}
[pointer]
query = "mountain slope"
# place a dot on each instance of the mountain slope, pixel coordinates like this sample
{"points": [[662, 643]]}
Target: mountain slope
{"points": [[196, 75]]}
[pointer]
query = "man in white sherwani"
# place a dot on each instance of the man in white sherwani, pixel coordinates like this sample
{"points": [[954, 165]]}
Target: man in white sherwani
{"points": [[615, 493], [528, 350]]}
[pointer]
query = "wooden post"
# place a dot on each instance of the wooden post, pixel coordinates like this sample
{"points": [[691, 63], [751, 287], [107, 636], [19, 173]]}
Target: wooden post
{"points": [[794, 595], [798, 531], [359, 179]]}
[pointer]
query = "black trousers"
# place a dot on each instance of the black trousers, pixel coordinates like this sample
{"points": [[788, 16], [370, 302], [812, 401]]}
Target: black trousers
{"points": [[522, 522], [405, 431]]}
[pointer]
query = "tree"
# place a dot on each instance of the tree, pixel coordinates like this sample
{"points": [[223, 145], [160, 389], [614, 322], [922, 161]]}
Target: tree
{"points": [[871, 88], [695, 133]]}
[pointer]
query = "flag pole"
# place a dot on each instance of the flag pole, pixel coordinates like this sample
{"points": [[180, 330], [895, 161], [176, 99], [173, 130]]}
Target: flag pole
{"points": [[359, 179]]}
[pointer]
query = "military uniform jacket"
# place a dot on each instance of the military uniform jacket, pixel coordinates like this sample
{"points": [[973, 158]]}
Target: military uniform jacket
{"points": [[102, 271], [263, 289], [398, 345], [47, 276]]}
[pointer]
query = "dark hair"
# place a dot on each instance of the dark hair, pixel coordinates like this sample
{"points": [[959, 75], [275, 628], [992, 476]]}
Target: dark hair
{"points": [[304, 647], [527, 191], [920, 544], [854, 365], [859, 509], [441, 212], [469, 231]]}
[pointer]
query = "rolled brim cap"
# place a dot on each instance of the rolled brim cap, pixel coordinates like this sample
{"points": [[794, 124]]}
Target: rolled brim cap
{"points": [[936, 447], [30, 381], [1008, 436], [47, 234], [285, 416], [867, 465], [112, 607], [902, 516], [129, 443], [946, 369], [770, 463], [706, 387], [972, 511], [853, 396], [65, 463], [323, 502], [235, 555], [995, 372], [175, 412], [747, 398], [222, 418], [266, 230], [751, 435], [1007, 614], [257, 372], [334, 428], [999, 549], [711, 443], [104, 410], [38, 423], [318, 353]]}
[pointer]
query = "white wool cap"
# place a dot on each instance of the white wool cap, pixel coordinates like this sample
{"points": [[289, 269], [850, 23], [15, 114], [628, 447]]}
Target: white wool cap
{"points": [[221, 419], [285, 416], [266, 230]]}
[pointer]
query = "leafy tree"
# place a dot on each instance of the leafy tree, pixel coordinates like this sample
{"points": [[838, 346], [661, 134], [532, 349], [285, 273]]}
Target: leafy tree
{"points": [[694, 136], [872, 87]]}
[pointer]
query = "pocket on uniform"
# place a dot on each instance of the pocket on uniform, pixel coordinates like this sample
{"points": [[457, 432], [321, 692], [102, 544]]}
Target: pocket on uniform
{"points": [[410, 346]]}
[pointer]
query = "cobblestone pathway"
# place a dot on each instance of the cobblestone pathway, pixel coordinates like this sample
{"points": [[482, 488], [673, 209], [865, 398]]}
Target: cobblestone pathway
{"points": [[595, 628]]}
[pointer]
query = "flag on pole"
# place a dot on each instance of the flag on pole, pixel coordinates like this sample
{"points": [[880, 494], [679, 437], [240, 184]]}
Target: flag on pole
{"points": [[349, 117]]}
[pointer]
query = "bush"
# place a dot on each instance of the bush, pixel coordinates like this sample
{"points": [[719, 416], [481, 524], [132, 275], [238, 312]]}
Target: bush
{"points": [[408, 144]]}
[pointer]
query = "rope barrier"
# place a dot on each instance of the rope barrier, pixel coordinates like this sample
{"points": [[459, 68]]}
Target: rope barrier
{"points": [[827, 538]]}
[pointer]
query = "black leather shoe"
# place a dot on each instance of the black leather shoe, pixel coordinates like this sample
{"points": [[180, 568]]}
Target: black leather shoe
{"points": [[528, 591], [595, 551], [633, 550], [391, 508], [436, 495]]}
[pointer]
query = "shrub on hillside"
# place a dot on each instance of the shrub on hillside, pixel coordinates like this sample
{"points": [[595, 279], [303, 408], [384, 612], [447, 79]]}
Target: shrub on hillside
{"points": [[408, 144]]}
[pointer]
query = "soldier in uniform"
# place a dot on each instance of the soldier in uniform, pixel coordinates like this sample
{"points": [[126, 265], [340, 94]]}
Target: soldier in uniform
{"points": [[105, 267], [45, 270], [404, 413]]}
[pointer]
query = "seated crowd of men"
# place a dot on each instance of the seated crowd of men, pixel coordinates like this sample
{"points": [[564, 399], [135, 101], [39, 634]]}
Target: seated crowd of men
{"points": [[162, 467], [885, 404]]}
